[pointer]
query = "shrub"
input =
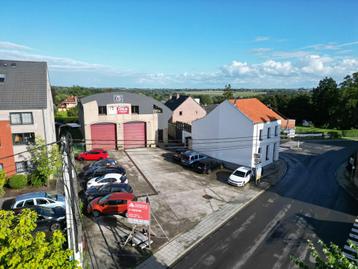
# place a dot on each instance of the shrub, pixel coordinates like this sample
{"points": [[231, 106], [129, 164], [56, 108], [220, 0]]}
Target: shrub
{"points": [[36, 180], [334, 134], [18, 181], [2, 182], [350, 133]]}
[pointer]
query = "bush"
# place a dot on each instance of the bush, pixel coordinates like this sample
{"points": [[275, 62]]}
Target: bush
{"points": [[18, 181], [2, 182], [350, 133], [37, 180], [335, 134]]}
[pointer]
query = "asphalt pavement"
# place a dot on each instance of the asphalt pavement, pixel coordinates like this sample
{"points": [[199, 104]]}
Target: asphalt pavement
{"points": [[306, 204]]}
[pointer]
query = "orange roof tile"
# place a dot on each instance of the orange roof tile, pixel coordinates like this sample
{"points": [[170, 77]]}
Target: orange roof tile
{"points": [[255, 110]]}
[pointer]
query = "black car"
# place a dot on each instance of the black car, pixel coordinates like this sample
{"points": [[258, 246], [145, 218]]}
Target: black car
{"points": [[94, 192], [178, 154], [101, 163], [206, 166], [48, 218], [100, 171]]}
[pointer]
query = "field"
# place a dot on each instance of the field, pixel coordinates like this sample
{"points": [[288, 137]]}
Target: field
{"points": [[218, 92], [352, 134]]}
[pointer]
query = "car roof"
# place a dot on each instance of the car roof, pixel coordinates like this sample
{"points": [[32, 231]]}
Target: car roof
{"points": [[189, 153], [31, 195], [243, 169], [121, 195]]}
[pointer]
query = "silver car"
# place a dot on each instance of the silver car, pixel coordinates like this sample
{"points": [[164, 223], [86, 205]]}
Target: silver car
{"points": [[38, 198]]}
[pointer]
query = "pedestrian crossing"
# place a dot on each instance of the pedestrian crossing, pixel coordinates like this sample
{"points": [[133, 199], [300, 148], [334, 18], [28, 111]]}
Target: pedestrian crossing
{"points": [[349, 252]]}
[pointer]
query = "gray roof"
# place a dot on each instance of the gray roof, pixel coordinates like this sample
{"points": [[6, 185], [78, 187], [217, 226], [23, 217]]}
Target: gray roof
{"points": [[25, 85], [144, 102], [210, 108], [174, 102]]}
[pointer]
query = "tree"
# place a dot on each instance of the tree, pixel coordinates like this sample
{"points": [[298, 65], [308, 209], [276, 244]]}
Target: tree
{"points": [[2, 182], [22, 247], [333, 257], [228, 93], [326, 101], [348, 112], [45, 161]]}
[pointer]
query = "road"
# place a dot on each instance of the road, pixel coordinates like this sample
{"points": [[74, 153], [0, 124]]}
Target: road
{"points": [[306, 204]]}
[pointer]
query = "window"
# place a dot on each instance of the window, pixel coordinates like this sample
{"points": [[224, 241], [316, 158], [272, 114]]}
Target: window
{"points": [[180, 113], [260, 135], [268, 132], [276, 130], [157, 109], [19, 205], [267, 152], [259, 151], [23, 138], [2, 78], [41, 201], [29, 203], [135, 109], [1, 167], [21, 118], [102, 110], [21, 167]]}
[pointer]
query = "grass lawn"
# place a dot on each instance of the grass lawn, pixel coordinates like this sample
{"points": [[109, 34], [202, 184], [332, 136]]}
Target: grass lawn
{"points": [[347, 134], [302, 129]]}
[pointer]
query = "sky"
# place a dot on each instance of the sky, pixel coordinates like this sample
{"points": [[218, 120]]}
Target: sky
{"points": [[184, 44]]}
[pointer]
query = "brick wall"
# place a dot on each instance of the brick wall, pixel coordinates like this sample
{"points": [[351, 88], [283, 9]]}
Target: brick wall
{"points": [[6, 148]]}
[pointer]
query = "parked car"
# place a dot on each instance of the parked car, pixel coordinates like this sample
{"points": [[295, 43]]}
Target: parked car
{"points": [[178, 154], [92, 155], [101, 171], [105, 179], [95, 192], [190, 157], [38, 198], [206, 166], [50, 218], [240, 176], [101, 163], [111, 204]]}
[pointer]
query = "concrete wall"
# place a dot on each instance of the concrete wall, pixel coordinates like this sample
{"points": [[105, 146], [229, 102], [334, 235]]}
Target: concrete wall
{"points": [[90, 116], [191, 111], [226, 134]]}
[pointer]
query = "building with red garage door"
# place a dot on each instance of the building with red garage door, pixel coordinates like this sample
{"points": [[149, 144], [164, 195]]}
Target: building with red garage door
{"points": [[123, 120]]}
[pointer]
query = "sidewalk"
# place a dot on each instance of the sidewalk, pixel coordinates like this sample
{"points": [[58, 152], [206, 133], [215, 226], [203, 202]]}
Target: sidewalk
{"points": [[344, 181], [183, 243]]}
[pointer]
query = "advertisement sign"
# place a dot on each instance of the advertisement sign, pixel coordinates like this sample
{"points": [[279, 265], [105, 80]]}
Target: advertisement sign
{"points": [[138, 213], [118, 109]]}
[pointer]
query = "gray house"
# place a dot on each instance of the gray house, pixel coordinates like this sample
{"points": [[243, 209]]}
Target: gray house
{"points": [[118, 120], [26, 102]]}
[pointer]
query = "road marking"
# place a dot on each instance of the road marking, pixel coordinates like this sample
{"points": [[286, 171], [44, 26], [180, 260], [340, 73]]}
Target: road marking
{"points": [[346, 247], [262, 236], [354, 230], [354, 242], [355, 224], [353, 236]]}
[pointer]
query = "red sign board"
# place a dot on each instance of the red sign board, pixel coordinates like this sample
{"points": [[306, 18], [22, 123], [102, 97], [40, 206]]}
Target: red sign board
{"points": [[138, 213], [122, 110]]}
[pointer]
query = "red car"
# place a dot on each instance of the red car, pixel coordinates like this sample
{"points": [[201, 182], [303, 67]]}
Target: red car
{"points": [[112, 204], [92, 155]]}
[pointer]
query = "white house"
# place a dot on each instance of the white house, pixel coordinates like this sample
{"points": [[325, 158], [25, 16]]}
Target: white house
{"points": [[241, 132]]}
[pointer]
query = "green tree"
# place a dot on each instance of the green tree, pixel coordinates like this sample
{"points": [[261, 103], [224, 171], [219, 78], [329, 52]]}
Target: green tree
{"points": [[46, 161], [228, 93], [22, 247], [333, 257], [72, 112], [348, 112], [326, 101]]}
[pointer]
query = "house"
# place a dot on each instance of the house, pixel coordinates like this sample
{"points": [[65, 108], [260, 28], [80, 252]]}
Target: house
{"points": [[69, 102], [185, 110], [26, 105], [239, 132], [123, 120], [288, 127]]}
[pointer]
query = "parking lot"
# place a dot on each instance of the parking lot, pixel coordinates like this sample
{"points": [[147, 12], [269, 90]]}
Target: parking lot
{"points": [[179, 197]]}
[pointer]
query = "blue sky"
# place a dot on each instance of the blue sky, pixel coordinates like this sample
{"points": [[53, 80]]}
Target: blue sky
{"points": [[184, 44]]}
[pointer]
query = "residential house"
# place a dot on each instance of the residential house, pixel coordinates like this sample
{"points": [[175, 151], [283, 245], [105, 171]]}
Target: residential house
{"points": [[239, 132], [69, 102], [26, 104], [184, 111], [123, 120]]}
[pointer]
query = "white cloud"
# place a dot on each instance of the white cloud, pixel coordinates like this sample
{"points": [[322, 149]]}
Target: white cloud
{"points": [[262, 38], [277, 68], [12, 46], [261, 50]]}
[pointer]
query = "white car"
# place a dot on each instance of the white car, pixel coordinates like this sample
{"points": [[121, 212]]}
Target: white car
{"points": [[240, 176], [105, 179]]}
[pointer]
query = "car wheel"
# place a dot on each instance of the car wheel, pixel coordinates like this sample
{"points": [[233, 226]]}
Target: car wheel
{"points": [[126, 214], [96, 213], [55, 226], [80, 159]]}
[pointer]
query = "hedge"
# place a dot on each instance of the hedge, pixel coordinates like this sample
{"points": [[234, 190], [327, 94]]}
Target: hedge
{"points": [[350, 133], [18, 181]]}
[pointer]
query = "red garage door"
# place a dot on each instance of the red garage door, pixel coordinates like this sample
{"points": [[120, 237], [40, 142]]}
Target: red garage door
{"points": [[134, 135], [103, 135]]}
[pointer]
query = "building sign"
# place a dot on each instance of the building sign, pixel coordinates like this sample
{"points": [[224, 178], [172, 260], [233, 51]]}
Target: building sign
{"points": [[118, 109], [118, 98], [138, 213]]}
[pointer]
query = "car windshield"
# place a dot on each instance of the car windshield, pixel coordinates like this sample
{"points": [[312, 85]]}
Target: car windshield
{"points": [[53, 197], [186, 158], [103, 199], [239, 173], [99, 178]]}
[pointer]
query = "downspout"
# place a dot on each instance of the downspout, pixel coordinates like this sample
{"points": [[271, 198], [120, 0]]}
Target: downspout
{"points": [[44, 124]]}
